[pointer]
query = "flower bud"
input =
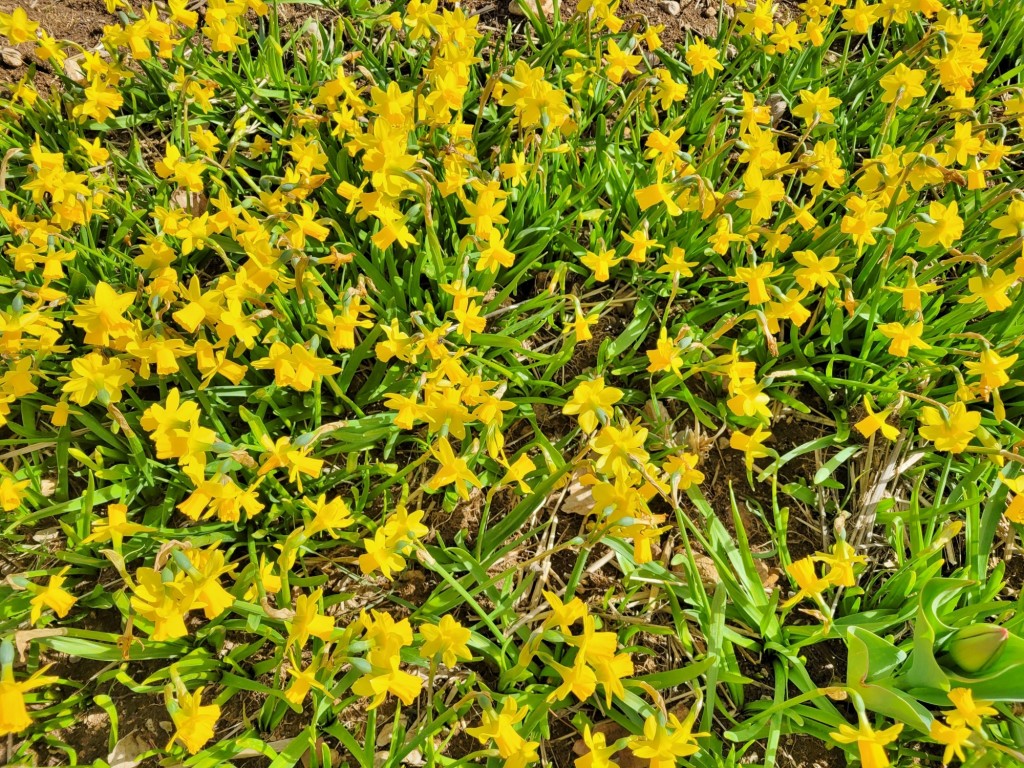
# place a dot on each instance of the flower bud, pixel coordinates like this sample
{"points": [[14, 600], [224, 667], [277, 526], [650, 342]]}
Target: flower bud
{"points": [[6, 654], [976, 646]]}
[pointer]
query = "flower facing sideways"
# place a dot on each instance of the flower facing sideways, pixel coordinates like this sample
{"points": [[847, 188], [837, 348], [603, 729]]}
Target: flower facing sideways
{"points": [[870, 743], [194, 722], [14, 716]]}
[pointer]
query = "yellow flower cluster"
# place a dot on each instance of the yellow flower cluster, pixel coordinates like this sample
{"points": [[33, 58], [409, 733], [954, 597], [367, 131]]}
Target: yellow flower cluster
{"points": [[348, 293]]}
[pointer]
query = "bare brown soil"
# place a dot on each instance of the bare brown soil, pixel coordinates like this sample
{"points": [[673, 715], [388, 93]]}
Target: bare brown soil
{"points": [[80, 21], [696, 16]]}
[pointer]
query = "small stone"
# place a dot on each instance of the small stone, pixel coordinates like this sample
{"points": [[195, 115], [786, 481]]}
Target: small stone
{"points": [[547, 7], [11, 57], [706, 570], [193, 202], [47, 487], [778, 106], [709, 12], [73, 68], [671, 7]]}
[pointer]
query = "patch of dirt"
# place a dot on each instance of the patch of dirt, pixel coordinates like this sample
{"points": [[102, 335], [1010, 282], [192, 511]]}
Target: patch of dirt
{"points": [[563, 561], [504, 501], [141, 714], [462, 744], [244, 706], [413, 586], [556, 750], [76, 668], [353, 719], [1013, 576], [80, 21], [802, 751], [584, 356], [724, 466], [826, 662], [698, 16], [465, 517], [594, 583], [804, 536], [754, 666], [137, 713], [506, 568], [88, 737], [292, 16], [551, 420], [665, 653], [601, 580]]}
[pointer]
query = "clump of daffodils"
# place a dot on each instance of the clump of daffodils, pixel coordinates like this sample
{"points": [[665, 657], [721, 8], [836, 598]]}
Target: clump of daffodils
{"points": [[363, 282]]}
